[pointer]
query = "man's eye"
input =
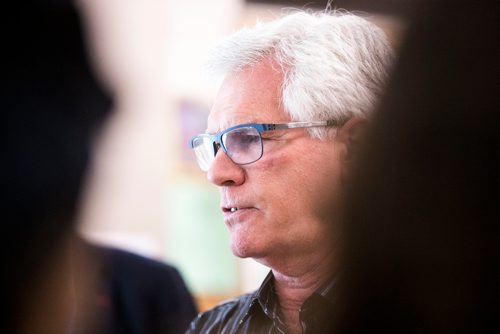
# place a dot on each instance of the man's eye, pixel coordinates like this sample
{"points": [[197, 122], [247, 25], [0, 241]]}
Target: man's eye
{"points": [[247, 139], [241, 141]]}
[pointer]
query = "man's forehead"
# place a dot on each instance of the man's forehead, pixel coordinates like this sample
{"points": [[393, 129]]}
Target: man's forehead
{"points": [[221, 120], [249, 95]]}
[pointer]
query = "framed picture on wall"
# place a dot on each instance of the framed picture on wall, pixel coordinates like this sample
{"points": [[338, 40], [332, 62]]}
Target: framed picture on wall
{"points": [[193, 118]]}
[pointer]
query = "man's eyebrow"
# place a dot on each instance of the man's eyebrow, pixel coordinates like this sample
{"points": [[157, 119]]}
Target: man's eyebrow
{"points": [[229, 125]]}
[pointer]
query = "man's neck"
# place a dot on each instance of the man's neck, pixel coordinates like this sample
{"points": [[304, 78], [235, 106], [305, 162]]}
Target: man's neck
{"points": [[293, 287]]}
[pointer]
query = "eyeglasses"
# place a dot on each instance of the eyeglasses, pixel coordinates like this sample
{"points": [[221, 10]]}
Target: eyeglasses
{"points": [[242, 143]]}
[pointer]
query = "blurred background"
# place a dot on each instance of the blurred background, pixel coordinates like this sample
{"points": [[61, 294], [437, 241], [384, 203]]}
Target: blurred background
{"points": [[144, 192]]}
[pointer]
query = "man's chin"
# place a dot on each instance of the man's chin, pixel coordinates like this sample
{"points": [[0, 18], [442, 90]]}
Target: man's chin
{"points": [[243, 249], [239, 252]]}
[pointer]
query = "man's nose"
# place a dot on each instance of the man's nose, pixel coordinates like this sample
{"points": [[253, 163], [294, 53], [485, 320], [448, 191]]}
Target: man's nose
{"points": [[224, 172]]}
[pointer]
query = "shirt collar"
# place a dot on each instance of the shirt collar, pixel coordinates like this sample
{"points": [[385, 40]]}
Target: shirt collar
{"points": [[327, 290], [266, 298]]}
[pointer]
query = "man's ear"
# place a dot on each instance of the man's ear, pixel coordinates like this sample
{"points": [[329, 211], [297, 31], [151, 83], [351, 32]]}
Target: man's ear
{"points": [[350, 134]]}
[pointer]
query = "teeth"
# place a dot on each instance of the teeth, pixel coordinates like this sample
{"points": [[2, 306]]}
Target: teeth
{"points": [[234, 209]]}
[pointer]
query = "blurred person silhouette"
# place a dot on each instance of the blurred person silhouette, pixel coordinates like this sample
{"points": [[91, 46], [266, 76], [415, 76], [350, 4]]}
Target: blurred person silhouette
{"points": [[52, 108], [51, 105], [422, 223], [294, 91], [134, 294]]}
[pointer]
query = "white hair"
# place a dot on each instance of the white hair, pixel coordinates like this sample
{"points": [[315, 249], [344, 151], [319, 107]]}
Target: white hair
{"points": [[334, 63]]}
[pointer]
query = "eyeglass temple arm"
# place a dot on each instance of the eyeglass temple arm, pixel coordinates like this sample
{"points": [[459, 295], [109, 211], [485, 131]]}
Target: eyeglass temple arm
{"points": [[300, 125]]}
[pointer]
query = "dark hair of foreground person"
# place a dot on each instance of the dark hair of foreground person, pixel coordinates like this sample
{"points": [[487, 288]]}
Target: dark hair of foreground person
{"points": [[422, 223]]}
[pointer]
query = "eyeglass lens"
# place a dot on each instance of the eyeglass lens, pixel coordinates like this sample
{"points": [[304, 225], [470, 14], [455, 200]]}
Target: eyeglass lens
{"points": [[242, 145], [204, 151]]}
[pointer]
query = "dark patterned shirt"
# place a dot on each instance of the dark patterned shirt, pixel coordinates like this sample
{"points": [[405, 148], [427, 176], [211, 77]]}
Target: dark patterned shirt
{"points": [[258, 312]]}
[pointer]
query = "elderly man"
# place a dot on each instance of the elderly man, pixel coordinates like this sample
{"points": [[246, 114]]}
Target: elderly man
{"points": [[278, 136]]}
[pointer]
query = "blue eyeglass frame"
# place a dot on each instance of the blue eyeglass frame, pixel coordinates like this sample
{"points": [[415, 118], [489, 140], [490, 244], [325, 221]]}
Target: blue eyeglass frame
{"points": [[216, 138]]}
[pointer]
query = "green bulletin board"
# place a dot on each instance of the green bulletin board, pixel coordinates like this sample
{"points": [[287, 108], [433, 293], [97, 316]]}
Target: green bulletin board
{"points": [[197, 240]]}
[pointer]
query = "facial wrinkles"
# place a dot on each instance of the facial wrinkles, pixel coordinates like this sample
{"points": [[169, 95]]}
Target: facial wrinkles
{"points": [[294, 162], [265, 180]]}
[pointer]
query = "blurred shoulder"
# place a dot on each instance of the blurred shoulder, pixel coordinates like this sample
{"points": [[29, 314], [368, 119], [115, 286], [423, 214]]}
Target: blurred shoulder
{"points": [[123, 264], [223, 318]]}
